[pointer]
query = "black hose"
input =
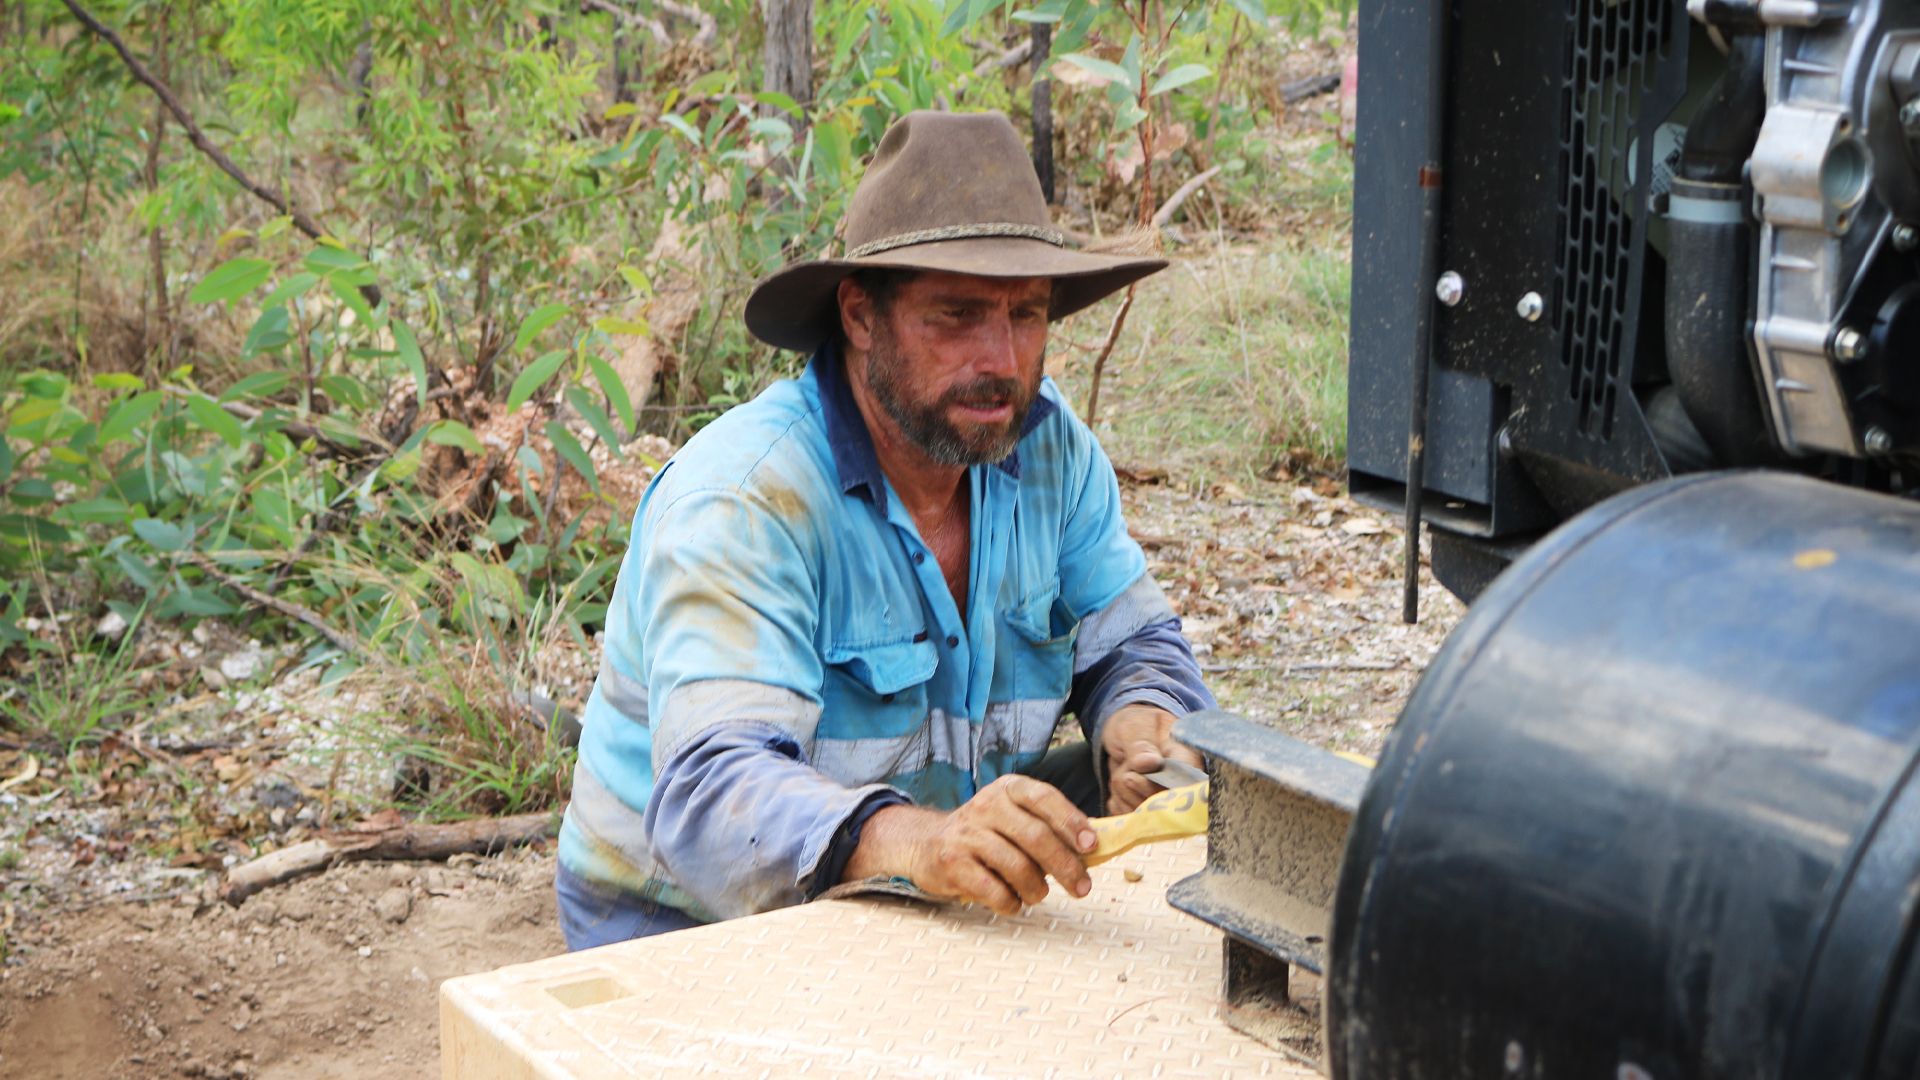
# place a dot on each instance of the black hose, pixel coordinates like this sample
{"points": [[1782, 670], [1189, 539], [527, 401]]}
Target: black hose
{"points": [[1709, 266], [1721, 137]]}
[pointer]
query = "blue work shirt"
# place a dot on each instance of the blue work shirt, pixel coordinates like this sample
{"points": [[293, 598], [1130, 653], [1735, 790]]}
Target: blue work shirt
{"points": [[783, 655]]}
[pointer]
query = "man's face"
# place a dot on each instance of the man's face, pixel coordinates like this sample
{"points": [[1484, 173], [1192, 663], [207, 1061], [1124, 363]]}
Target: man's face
{"points": [[956, 362]]}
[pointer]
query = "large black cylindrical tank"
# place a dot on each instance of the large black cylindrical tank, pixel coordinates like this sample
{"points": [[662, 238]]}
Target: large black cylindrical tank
{"points": [[1652, 812]]}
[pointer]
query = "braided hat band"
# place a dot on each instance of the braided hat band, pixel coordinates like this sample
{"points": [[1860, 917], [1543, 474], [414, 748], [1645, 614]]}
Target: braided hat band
{"points": [[960, 232]]}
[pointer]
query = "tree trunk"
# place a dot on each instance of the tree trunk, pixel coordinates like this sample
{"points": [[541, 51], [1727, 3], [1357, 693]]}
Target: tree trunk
{"points": [[1043, 107], [788, 56], [156, 325]]}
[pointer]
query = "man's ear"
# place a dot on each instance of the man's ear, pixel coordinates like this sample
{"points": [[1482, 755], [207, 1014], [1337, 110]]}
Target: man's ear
{"points": [[857, 314]]}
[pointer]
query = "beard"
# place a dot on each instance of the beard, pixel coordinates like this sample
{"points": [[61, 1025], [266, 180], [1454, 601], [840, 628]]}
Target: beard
{"points": [[924, 421]]}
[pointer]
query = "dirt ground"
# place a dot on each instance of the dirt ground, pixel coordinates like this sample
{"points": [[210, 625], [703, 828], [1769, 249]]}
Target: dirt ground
{"points": [[121, 965]]}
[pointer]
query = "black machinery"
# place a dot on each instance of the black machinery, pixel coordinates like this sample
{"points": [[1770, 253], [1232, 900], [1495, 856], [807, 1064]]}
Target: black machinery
{"points": [[1636, 293]]}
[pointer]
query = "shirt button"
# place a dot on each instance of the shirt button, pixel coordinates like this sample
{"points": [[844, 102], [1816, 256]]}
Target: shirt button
{"points": [[919, 557], [953, 640]]}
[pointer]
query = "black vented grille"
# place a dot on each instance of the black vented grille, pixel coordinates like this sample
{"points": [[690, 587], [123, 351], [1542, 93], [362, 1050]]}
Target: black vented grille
{"points": [[1613, 52]]}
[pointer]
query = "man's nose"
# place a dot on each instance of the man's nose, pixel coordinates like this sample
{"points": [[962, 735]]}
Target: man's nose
{"points": [[997, 354]]}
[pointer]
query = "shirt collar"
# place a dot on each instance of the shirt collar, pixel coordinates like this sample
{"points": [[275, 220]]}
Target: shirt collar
{"points": [[852, 445]]}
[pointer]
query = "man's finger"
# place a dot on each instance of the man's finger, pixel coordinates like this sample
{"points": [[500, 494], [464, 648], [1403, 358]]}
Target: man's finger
{"points": [[1180, 751], [1041, 842], [1022, 877], [1044, 801], [982, 886]]}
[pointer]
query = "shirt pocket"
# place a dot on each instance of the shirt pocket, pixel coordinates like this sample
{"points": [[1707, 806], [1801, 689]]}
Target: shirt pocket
{"points": [[874, 709], [1039, 648]]}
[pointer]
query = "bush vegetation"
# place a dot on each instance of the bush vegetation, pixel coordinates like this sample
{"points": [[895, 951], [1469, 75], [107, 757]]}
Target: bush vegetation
{"points": [[356, 341]]}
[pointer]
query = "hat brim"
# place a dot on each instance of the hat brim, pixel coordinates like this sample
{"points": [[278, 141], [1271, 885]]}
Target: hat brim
{"points": [[795, 308]]}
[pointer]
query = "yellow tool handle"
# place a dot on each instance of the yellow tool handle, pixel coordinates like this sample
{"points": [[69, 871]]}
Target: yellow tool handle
{"points": [[1170, 815]]}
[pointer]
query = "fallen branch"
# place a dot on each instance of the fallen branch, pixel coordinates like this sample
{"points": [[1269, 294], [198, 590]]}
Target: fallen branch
{"points": [[709, 27], [1165, 213], [633, 18], [412, 841], [342, 640], [1312, 86], [199, 138], [1005, 59]]}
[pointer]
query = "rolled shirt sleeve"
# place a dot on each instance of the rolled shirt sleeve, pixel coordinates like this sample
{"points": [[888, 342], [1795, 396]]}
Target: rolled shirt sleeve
{"points": [[737, 816]]}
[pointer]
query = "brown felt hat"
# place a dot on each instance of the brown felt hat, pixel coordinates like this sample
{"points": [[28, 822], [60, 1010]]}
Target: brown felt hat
{"points": [[946, 191]]}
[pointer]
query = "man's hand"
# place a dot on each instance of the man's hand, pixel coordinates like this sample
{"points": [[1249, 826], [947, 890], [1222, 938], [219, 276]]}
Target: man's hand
{"points": [[1138, 739], [998, 849]]}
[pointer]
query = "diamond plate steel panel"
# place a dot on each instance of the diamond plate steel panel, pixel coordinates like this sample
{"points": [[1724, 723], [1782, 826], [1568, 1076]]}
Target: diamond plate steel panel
{"points": [[1116, 985]]}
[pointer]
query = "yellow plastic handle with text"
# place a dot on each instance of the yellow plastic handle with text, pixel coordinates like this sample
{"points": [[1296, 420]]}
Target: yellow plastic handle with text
{"points": [[1170, 815]]}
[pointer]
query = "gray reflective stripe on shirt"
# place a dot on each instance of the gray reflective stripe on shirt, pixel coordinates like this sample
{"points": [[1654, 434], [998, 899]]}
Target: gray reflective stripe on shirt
{"points": [[1020, 727], [709, 703], [943, 739], [623, 693], [1141, 604]]}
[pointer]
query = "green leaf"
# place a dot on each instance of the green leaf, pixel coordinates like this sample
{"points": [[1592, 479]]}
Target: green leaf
{"points": [[349, 295], [46, 385], [619, 109], [270, 331], [348, 391], [291, 289], [780, 101], [212, 417], [329, 259], [1106, 69], [538, 320], [965, 13], [104, 510], [258, 384], [637, 278], [679, 124], [615, 390], [572, 452], [456, 434], [409, 349], [117, 380], [1127, 115], [22, 529], [275, 227], [32, 491], [609, 324], [772, 129], [163, 535], [1178, 77], [531, 380], [596, 417], [231, 279], [1252, 9], [128, 415]]}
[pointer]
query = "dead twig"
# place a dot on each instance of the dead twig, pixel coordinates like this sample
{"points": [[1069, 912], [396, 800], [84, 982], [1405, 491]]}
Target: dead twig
{"points": [[1185, 191], [409, 841], [341, 639], [199, 138], [1106, 350]]}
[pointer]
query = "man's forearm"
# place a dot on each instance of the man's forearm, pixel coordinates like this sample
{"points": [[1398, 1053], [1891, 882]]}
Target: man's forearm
{"points": [[891, 842], [744, 824]]}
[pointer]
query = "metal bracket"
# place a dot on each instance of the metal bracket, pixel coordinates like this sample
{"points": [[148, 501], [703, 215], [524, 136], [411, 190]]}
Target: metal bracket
{"points": [[1278, 814]]}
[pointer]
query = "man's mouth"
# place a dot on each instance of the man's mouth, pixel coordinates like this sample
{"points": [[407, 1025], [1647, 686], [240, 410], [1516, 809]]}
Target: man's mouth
{"points": [[988, 410]]}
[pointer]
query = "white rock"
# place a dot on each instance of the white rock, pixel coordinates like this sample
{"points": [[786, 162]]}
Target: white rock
{"points": [[111, 625]]}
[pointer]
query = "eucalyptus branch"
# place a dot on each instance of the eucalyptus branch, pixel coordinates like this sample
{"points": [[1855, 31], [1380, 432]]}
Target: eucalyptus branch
{"points": [[199, 138]]}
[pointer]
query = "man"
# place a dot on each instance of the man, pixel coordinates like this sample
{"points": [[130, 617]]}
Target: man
{"points": [[855, 608]]}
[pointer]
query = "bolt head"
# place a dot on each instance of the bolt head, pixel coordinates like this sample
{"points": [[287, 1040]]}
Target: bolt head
{"points": [[1531, 307], [1849, 344], [1905, 237], [1877, 441], [1450, 288], [1910, 114]]}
